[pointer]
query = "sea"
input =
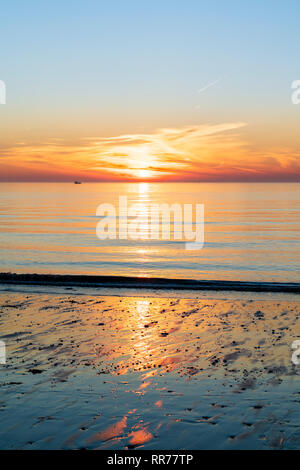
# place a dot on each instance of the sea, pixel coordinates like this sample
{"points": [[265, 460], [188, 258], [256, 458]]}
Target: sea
{"points": [[251, 230]]}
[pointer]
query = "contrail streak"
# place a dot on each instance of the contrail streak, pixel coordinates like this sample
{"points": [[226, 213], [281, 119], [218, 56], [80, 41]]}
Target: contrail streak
{"points": [[209, 85]]}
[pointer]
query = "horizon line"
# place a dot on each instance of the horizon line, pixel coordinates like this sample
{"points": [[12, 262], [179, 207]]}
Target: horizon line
{"points": [[154, 181]]}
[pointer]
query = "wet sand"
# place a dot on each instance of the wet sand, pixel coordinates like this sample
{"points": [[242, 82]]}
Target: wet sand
{"points": [[108, 372]]}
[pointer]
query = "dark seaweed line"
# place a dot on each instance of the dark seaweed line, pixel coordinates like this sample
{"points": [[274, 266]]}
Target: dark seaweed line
{"points": [[145, 283]]}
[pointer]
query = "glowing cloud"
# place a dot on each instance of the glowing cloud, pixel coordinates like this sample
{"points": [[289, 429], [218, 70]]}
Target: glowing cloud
{"points": [[193, 153]]}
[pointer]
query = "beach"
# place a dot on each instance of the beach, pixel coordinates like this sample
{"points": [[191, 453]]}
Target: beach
{"points": [[87, 370]]}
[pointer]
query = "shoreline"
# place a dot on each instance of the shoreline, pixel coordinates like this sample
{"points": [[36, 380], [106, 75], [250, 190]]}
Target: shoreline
{"points": [[119, 373], [63, 280]]}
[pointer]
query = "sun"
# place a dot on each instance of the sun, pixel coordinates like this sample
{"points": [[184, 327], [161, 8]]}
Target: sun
{"points": [[143, 173]]}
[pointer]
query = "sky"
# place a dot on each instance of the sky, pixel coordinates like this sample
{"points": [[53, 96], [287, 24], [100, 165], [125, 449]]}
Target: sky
{"points": [[156, 91]]}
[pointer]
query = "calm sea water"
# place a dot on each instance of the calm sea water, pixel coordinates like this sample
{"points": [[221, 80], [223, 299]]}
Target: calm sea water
{"points": [[252, 231]]}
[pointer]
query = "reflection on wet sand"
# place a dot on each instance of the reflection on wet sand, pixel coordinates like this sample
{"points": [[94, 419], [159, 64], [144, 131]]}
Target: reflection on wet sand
{"points": [[111, 432], [111, 372]]}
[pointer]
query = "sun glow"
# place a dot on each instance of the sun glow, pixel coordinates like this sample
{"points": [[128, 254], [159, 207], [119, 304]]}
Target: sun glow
{"points": [[143, 173], [193, 153]]}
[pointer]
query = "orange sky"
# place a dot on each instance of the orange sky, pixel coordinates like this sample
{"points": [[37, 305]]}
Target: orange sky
{"points": [[191, 153]]}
